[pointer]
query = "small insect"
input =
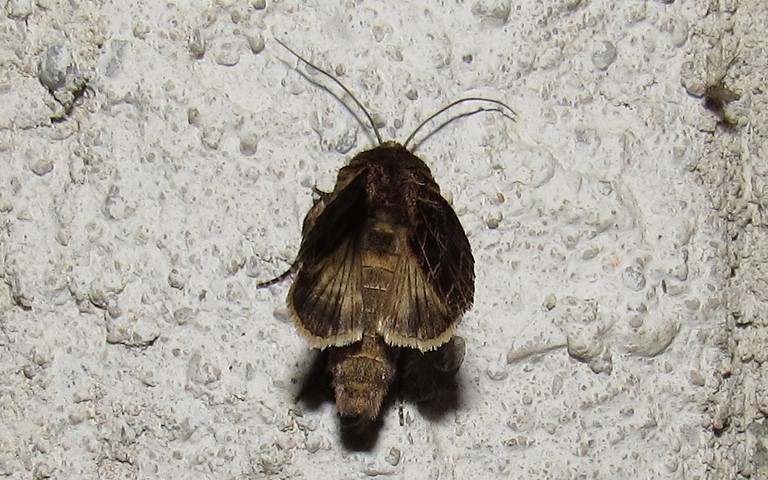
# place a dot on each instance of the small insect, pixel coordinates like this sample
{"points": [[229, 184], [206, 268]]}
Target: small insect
{"points": [[717, 96], [384, 265], [716, 99]]}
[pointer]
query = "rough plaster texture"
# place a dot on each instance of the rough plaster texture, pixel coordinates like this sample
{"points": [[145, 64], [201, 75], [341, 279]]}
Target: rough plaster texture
{"points": [[157, 160]]}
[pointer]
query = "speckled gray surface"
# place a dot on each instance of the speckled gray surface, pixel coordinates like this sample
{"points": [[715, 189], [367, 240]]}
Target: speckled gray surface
{"points": [[158, 159]]}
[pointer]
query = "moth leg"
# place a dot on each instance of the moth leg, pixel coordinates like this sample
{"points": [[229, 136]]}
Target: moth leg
{"points": [[309, 221], [319, 192], [403, 370], [279, 278], [318, 205]]}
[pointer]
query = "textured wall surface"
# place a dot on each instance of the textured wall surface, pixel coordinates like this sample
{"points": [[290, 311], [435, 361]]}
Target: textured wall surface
{"points": [[157, 160]]}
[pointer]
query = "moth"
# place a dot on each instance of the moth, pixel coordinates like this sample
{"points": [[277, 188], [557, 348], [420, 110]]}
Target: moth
{"points": [[384, 265]]}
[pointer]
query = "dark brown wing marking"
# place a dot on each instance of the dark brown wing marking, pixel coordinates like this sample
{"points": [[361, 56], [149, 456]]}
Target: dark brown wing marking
{"points": [[439, 241], [434, 282], [326, 294]]}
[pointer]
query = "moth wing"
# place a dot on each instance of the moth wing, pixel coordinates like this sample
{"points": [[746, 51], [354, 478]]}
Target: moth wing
{"points": [[434, 282], [326, 295]]}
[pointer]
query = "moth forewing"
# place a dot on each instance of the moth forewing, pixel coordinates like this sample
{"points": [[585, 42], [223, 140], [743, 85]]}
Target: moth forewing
{"points": [[418, 317], [325, 297]]}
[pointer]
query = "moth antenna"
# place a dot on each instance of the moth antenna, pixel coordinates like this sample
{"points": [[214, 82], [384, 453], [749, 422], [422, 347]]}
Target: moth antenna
{"points": [[343, 87], [458, 102], [452, 119]]}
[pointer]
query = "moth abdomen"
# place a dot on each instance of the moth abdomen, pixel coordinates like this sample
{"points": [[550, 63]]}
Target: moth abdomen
{"points": [[362, 373], [380, 253]]}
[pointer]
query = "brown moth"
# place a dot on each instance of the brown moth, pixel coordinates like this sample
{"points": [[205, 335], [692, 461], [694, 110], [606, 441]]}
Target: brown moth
{"points": [[384, 264]]}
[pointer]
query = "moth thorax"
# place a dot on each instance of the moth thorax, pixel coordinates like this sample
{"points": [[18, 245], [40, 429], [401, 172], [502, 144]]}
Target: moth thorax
{"points": [[361, 377]]}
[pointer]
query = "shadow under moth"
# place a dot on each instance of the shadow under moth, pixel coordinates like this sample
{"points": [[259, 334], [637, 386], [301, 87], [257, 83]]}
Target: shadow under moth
{"points": [[384, 265]]}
